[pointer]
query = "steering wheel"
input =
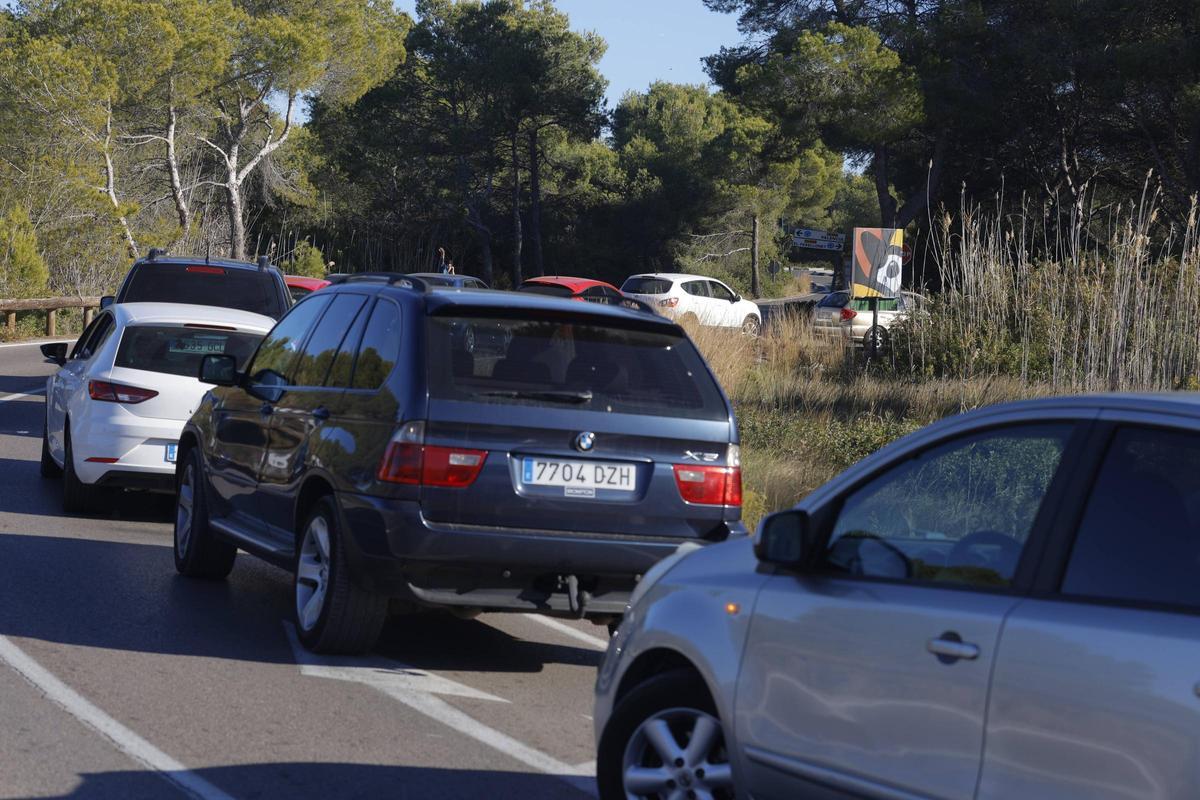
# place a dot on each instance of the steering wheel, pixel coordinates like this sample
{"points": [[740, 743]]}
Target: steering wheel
{"points": [[1005, 562]]}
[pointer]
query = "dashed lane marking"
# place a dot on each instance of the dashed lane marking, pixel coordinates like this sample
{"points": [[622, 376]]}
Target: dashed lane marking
{"points": [[121, 737], [566, 630], [4, 398]]}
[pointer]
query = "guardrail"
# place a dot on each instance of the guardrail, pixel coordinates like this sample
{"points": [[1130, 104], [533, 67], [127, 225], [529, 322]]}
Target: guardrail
{"points": [[49, 305]]}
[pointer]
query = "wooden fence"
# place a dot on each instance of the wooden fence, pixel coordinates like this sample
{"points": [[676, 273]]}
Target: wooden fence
{"points": [[50, 305]]}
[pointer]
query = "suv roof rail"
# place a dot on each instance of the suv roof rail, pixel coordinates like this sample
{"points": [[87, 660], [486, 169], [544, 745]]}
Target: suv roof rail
{"points": [[390, 278]]}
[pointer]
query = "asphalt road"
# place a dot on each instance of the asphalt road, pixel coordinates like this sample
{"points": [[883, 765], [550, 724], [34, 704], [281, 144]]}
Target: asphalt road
{"points": [[119, 678]]}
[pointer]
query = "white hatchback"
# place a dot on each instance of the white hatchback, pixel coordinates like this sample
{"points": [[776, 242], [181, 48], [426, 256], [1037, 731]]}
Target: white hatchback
{"points": [[709, 301], [117, 404]]}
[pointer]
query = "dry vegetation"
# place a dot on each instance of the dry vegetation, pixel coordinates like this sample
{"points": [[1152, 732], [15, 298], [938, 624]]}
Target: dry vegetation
{"points": [[1118, 310]]}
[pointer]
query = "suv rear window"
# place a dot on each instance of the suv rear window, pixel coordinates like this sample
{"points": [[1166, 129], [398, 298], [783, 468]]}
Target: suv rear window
{"points": [[646, 286], [205, 285], [552, 289], [571, 364], [885, 304], [177, 351]]}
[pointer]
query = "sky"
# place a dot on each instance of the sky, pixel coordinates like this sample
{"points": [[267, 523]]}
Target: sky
{"points": [[648, 40]]}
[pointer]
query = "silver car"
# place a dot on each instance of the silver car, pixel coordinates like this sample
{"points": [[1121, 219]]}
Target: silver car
{"points": [[840, 316], [1005, 604]]}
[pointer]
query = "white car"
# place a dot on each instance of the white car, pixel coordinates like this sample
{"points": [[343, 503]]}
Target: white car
{"points": [[709, 301], [117, 404]]}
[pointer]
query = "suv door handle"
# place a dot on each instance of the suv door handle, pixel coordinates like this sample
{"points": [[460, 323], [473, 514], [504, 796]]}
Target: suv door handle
{"points": [[266, 409], [320, 413], [949, 647]]}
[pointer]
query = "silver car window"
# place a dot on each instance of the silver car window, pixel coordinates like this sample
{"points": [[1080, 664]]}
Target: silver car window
{"points": [[957, 513]]}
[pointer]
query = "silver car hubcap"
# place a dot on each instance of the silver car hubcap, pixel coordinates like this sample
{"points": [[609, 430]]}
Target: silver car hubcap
{"points": [[312, 573], [677, 754], [183, 512]]}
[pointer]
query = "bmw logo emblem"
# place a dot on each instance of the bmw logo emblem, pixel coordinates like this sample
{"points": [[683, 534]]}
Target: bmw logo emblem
{"points": [[585, 441]]}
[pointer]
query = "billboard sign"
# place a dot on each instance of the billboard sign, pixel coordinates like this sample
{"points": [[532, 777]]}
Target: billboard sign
{"points": [[875, 262]]}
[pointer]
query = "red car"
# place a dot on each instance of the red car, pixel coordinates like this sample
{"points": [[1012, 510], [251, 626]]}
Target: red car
{"points": [[301, 286], [582, 289]]}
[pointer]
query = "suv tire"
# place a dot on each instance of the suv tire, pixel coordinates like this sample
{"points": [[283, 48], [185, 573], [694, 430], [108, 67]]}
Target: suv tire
{"points": [[345, 618], [48, 468], [78, 497], [751, 326], [198, 554], [681, 699]]}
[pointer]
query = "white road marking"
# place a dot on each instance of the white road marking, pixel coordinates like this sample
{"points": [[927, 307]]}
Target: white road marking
{"points": [[22, 395], [420, 700], [566, 630], [121, 737]]}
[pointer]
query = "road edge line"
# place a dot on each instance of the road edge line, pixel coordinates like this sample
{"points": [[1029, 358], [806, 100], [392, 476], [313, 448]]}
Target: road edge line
{"points": [[90, 715], [550, 622]]}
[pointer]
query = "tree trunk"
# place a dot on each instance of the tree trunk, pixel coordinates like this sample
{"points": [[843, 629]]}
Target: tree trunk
{"points": [[110, 187], [535, 205], [484, 235], [177, 194], [754, 286], [887, 203], [516, 213], [237, 224]]}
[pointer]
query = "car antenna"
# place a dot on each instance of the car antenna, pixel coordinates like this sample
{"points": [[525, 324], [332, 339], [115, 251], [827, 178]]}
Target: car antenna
{"points": [[207, 251], [264, 263]]}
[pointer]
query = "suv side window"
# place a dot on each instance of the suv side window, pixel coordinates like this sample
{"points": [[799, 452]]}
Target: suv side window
{"points": [[380, 347], [719, 291], [958, 513], [697, 288], [278, 350], [321, 347], [1138, 540]]}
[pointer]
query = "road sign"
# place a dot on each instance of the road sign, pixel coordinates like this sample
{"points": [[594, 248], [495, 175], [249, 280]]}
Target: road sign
{"points": [[814, 239], [907, 253]]}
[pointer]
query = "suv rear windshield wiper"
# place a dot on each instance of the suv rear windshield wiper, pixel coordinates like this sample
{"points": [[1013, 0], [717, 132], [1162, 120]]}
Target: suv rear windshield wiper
{"points": [[577, 398]]}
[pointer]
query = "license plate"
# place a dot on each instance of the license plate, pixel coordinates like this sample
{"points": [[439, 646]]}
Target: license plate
{"points": [[578, 478], [171, 448]]}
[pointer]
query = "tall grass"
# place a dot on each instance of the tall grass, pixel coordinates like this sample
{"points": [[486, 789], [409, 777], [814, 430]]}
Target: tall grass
{"points": [[1100, 305]]}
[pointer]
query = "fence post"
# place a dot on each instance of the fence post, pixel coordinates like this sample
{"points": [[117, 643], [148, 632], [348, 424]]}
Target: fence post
{"points": [[88, 313], [50, 323], [12, 322]]}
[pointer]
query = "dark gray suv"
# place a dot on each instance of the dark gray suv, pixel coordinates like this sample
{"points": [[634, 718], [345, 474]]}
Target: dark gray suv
{"points": [[370, 451]]}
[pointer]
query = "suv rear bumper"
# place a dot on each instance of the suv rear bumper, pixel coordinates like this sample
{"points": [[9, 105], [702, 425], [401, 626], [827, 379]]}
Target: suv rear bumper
{"points": [[394, 550]]}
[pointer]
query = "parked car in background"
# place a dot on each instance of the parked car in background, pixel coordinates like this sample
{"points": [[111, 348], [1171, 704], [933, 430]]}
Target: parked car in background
{"points": [[369, 453], [456, 281], [116, 405], [840, 316], [976, 611], [706, 300], [158, 278], [301, 286], [587, 290]]}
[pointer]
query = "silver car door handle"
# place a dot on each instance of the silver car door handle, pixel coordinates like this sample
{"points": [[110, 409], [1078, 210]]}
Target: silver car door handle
{"points": [[955, 648]]}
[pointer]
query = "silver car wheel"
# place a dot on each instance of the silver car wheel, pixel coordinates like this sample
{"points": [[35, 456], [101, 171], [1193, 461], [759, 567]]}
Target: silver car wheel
{"points": [[677, 754], [312, 573], [184, 511]]}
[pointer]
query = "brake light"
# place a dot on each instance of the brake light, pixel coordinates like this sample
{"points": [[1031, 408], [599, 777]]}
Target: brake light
{"points": [[669, 302], [409, 460], [206, 270], [848, 314], [712, 485], [118, 393]]}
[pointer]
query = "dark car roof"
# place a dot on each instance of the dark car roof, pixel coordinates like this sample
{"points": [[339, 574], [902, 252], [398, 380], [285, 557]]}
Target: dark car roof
{"points": [[195, 260], [445, 299], [446, 279]]}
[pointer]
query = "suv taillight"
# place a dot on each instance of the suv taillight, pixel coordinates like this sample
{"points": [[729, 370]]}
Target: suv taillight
{"points": [[711, 485], [848, 314], [409, 460], [118, 393]]}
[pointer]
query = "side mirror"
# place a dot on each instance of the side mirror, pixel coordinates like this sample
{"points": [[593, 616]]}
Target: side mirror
{"points": [[786, 539], [106, 301], [55, 353], [220, 370], [737, 298]]}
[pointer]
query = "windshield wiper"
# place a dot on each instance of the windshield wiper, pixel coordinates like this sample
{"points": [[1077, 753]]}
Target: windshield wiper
{"points": [[575, 398]]}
